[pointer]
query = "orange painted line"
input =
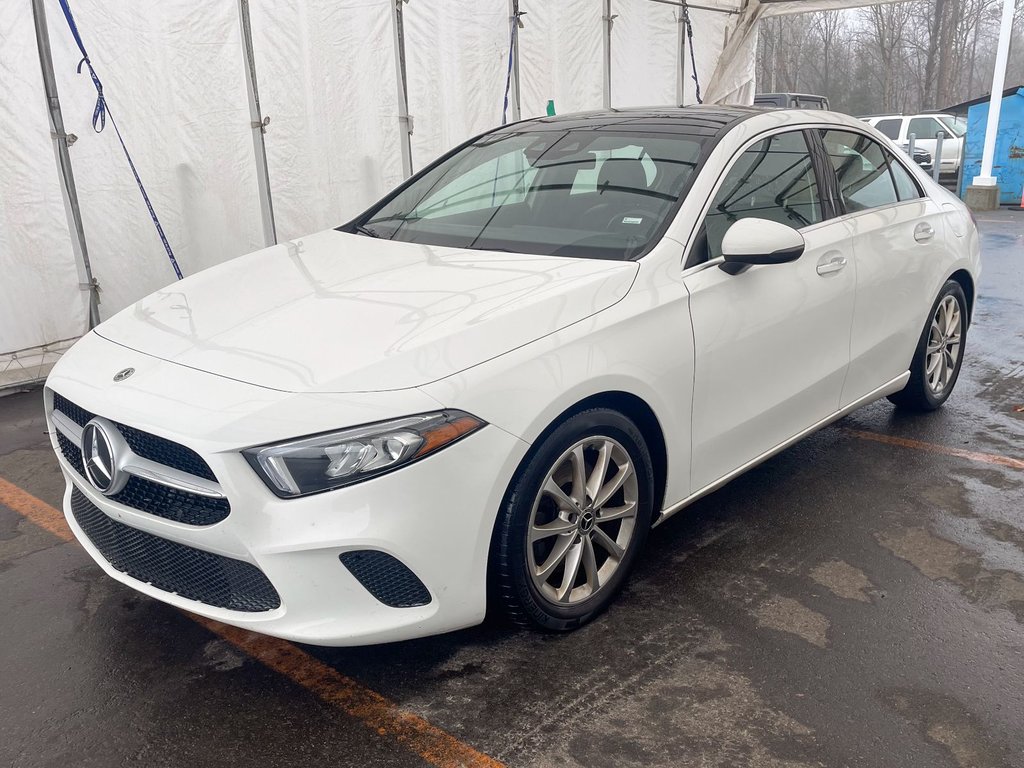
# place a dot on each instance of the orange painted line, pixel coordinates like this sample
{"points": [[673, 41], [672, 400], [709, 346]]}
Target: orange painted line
{"points": [[904, 442], [375, 711], [380, 714], [35, 510]]}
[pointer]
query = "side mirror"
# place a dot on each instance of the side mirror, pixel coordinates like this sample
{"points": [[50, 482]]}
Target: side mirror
{"points": [[759, 241]]}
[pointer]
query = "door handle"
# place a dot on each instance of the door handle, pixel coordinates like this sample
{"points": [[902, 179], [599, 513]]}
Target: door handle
{"points": [[834, 265], [923, 232]]}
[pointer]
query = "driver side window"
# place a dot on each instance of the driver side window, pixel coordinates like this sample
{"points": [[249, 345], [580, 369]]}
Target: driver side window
{"points": [[773, 179]]}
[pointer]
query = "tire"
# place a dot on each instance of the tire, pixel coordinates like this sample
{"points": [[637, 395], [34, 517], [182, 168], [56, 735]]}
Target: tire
{"points": [[921, 392], [578, 529]]}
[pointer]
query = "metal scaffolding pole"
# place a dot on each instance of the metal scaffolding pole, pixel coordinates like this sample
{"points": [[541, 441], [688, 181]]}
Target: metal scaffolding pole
{"points": [[404, 118], [607, 18], [514, 25], [67, 177], [259, 127]]}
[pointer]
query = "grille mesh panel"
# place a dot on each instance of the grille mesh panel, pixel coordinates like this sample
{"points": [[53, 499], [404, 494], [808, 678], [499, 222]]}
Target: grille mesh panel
{"points": [[146, 495], [386, 578], [166, 452], [163, 501], [219, 581], [78, 415], [71, 452]]}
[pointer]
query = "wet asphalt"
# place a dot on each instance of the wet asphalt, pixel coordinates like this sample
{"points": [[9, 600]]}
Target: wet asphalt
{"points": [[849, 603]]}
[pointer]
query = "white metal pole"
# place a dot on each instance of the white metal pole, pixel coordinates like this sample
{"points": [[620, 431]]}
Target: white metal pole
{"points": [[404, 119], [607, 19], [259, 127], [67, 177], [514, 25], [986, 179]]}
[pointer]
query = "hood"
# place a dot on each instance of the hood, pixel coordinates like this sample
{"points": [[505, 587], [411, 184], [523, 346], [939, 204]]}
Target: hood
{"points": [[336, 312]]}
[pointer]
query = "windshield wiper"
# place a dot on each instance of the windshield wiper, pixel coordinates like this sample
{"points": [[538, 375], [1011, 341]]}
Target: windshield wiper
{"points": [[364, 230]]}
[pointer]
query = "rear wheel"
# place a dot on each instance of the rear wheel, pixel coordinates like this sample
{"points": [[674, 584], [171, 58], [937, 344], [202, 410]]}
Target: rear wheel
{"points": [[939, 355], [573, 524]]}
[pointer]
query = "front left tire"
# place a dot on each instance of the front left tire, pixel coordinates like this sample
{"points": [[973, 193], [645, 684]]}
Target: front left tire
{"points": [[574, 521]]}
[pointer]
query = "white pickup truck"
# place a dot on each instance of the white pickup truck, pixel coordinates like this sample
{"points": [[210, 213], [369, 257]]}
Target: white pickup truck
{"points": [[925, 127]]}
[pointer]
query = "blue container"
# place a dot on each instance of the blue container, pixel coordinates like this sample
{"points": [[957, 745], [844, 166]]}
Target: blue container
{"points": [[1008, 163]]}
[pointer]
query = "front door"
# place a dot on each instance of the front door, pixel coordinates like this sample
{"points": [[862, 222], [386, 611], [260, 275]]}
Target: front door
{"points": [[772, 344]]}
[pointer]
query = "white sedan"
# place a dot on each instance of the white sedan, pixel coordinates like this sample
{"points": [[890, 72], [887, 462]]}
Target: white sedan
{"points": [[489, 387]]}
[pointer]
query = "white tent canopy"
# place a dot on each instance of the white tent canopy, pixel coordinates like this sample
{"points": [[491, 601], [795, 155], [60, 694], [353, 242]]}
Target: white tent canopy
{"points": [[174, 77]]}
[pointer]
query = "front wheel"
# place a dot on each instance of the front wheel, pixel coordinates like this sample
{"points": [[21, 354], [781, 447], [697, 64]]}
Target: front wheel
{"points": [[577, 516], [939, 355]]}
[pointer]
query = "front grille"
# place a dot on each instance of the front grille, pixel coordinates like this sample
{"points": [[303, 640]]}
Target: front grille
{"points": [[152, 447], [212, 579], [146, 495], [172, 504], [386, 578]]}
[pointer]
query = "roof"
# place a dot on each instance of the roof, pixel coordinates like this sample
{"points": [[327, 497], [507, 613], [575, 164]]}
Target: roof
{"points": [[965, 105], [789, 93], [697, 119]]}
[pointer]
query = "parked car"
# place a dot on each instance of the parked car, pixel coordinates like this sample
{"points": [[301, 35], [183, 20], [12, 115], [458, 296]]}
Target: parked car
{"points": [[791, 100], [493, 383], [925, 127]]}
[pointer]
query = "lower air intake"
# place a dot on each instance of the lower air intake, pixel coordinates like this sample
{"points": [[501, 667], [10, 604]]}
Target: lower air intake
{"points": [[219, 581], [386, 578]]}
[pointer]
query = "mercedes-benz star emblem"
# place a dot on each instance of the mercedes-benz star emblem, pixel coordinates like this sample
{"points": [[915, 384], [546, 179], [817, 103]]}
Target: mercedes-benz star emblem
{"points": [[100, 460], [123, 374]]}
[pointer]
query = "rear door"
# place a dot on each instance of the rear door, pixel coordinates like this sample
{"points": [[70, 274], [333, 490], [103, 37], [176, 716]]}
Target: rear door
{"points": [[771, 343], [897, 233]]}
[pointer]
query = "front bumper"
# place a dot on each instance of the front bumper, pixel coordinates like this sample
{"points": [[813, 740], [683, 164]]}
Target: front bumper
{"points": [[435, 516]]}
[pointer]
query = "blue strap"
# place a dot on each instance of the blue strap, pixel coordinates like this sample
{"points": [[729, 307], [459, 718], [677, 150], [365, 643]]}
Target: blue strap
{"points": [[99, 122], [511, 47]]}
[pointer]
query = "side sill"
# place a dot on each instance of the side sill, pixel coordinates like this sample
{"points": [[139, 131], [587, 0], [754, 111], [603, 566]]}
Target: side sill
{"points": [[886, 389]]}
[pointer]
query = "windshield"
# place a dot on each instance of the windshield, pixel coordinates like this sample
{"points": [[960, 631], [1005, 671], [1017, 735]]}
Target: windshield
{"points": [[589, 192], [957, 125]]}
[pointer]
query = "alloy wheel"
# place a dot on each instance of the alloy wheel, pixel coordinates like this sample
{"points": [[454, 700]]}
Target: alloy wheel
{"points": [[583, 520], [943, 351]]}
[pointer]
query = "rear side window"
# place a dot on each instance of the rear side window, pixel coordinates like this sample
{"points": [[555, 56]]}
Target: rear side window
{"points": [[925, 128], [906, 187], [773, 179], [862, 169], [890, 128]]}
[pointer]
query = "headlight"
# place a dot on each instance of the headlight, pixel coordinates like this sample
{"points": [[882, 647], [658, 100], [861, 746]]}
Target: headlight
{"points": [[335, 459]]}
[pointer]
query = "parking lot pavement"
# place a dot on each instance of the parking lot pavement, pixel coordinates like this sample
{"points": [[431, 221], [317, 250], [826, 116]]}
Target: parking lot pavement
{"points": [[855, 601]]}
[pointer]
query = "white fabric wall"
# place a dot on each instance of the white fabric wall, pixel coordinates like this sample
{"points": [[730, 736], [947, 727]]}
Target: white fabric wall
{"points": [[174, 78], [39, 297]]}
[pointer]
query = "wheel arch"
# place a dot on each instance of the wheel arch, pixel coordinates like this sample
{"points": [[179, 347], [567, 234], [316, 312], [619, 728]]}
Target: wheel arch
{"points": [[637, 410], [963, 277]]}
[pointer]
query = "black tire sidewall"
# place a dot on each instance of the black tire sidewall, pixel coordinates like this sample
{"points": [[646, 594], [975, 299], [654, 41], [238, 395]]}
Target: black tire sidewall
{"points": [[518, 508]]}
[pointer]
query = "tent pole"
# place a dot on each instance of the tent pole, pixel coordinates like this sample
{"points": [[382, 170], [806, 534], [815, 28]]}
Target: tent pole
{"points": [[607, 19], [513, 23], [86, 282], [404, 119], [985, 178], [259, 128]]}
